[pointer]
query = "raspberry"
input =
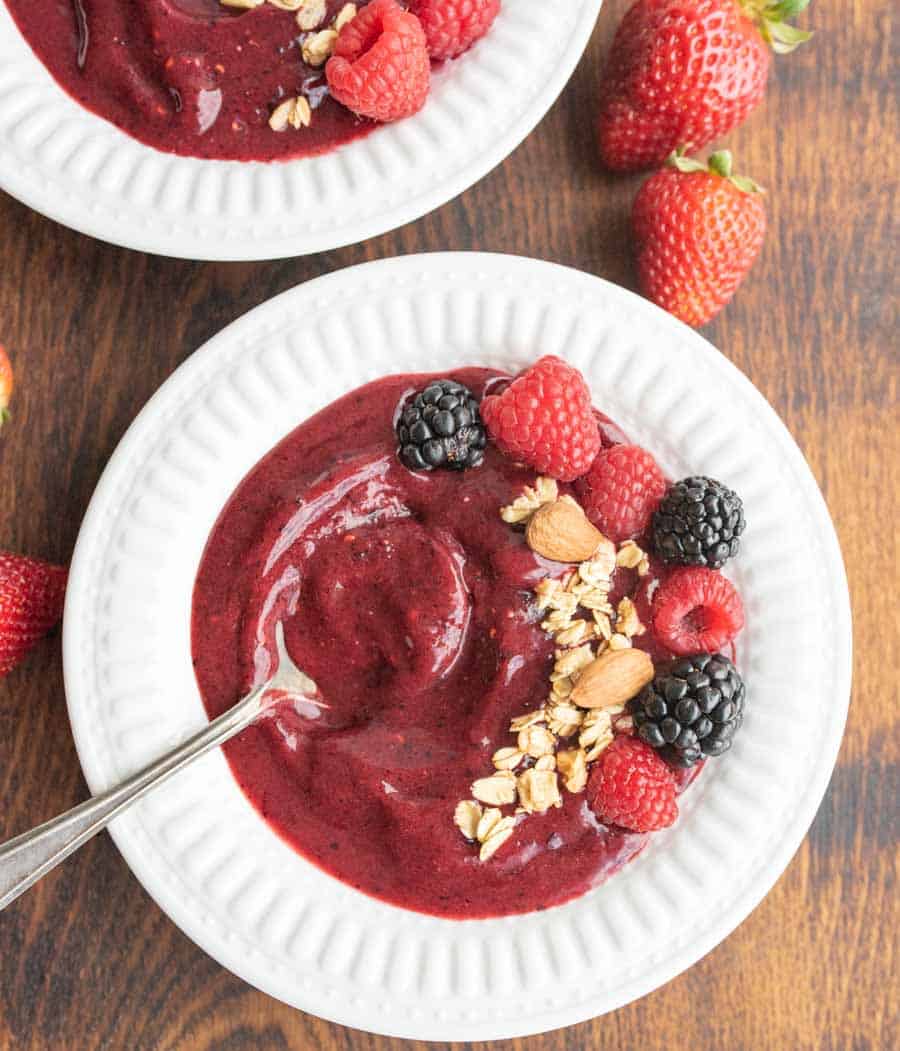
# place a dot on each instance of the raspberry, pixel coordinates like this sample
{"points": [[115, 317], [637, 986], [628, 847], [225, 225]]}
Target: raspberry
{"points": [[696, 610], [544, 419], [621, 491], [632, 787], [380, 66], [453, 26]]}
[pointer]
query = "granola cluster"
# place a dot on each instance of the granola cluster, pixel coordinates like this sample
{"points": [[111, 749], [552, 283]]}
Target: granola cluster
{"points": [[555, 743]]}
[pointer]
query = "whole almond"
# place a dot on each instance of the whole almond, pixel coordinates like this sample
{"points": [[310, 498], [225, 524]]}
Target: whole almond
{"points": [[613, 679], [561, 532]]}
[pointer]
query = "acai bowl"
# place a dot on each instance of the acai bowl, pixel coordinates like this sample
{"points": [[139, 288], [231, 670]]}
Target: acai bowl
{"points": [[208, 852]]}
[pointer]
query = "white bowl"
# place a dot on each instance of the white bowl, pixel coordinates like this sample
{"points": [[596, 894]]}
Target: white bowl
{"points": [[217, 868], [77, 168]]}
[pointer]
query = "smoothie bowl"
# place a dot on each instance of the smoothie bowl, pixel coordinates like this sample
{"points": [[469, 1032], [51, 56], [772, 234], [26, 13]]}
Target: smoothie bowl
{"points": [[261, 128], [509, 798]]}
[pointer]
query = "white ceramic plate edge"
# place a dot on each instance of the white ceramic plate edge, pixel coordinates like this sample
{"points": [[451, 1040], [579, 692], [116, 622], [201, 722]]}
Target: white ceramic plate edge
{"points": [[737, 910]]}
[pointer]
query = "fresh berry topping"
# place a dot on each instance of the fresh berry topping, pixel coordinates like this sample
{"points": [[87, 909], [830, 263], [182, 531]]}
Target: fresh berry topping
{"points": [[697, 231], [685, 72], [453, 26], [693, 708], [31, 602], [6, 385], [380, 66], [621, 491], [699, 523], [441, 427], [632, 787], [696, 610], [544, 419]]}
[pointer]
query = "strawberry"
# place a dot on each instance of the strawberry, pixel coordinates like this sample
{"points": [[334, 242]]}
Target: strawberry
{"points": [[31, 602], [6, 385], [685, 72], [697, 231]]}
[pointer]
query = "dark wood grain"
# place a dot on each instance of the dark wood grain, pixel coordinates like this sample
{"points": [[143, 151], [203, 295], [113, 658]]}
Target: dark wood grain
{"points": [[88, 962]]}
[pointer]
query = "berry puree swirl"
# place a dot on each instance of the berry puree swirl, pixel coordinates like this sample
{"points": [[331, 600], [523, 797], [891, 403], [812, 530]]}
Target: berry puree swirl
{"points": [[421, 613]]}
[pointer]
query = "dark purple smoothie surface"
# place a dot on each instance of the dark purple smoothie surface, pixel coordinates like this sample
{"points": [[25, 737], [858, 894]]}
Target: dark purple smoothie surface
{"points": [[188, 76], [409, 601]]}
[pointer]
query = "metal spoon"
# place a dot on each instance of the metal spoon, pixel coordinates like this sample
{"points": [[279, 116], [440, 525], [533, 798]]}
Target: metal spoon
{"points": [[28, 857]]}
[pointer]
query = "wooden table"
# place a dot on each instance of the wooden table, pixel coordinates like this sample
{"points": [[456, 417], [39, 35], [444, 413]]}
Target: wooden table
{"points": [[87, 961]]}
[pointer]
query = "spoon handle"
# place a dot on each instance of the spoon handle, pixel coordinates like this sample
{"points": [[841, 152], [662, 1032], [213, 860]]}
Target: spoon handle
{"points": [[28, 857]]}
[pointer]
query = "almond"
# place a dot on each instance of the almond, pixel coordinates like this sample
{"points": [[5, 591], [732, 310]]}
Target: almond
{"points": [[561, 532], [612, 679]]}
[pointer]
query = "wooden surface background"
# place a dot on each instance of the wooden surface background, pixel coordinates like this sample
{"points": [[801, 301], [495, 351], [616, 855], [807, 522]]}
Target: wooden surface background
{"points": [[87, 960]]}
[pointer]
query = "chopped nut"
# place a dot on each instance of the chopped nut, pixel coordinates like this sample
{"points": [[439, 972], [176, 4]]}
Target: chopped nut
{"points": [[548, 593], [596, 733], [601, 621], [572, 765], [486, 823], [564, 719], [643, 566], [570, 662], [536, 741], [523, 507], [559, 620], [594, 599], [500, 833], [317, 47], [546, 489], [561, 688], [539, 790], [619, 642], [528, 719], [627, 620], [507, 758], [466, 818], [546, 762], [629, 555], [576, 633], [497, 790], [292, 111], [310, 13], [346, 14]]}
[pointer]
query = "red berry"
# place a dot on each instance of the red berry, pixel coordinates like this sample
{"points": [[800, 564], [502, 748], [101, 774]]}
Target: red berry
{"points": [[6, 385], [632, 787], [380, 66], [544, 419], [682, 73], [453, 26], [621, 491], [31, 602], [697, 232], [696, 610]]}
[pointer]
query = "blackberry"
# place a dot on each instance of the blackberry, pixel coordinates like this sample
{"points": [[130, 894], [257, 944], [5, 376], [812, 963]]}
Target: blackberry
{"points": [[441, 427], [693, 708], [698, 523]]}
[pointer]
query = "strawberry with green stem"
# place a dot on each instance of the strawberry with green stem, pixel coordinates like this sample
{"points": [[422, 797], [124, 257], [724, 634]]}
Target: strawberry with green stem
{"points": [[686, 72], [697, 229]]}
